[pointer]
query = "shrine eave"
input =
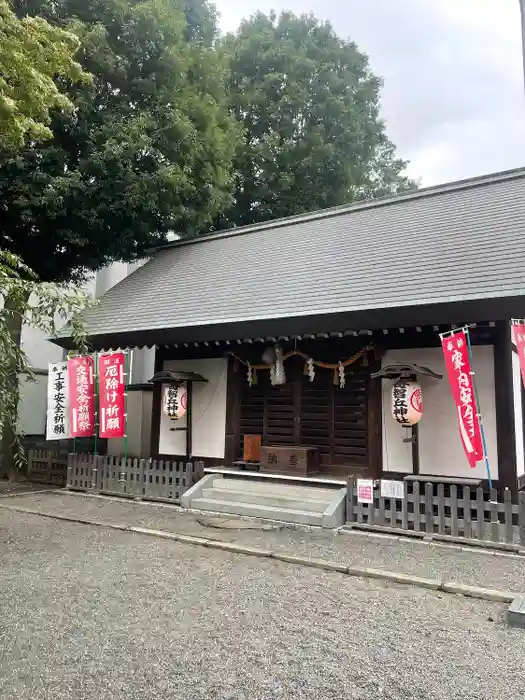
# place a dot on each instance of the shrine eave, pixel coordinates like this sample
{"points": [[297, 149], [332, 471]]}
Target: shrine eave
{"points": [[348, 323]]}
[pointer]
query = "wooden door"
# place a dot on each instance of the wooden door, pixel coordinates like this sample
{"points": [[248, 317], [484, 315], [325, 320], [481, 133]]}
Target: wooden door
{"points": [[312, 414]]}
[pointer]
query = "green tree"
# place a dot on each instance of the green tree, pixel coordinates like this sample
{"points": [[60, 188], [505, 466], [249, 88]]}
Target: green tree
{"points": [[309, 106], [32, 54], [23, 299], [148, 148]]}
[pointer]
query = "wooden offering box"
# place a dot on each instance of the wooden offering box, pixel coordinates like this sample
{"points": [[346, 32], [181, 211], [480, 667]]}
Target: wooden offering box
{"points": [[293, 461]]}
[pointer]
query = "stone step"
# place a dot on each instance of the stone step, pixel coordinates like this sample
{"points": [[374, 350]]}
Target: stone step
{"points": [[277, 500], [275, 487], [258, 511]]}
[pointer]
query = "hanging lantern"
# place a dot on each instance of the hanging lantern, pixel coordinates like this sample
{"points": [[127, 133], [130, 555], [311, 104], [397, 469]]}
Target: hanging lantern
{"points": [[175, 401], [407, 402]]}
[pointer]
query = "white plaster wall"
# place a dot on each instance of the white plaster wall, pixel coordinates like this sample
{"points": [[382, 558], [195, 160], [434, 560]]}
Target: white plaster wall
{"points": [[142, 365], [38, 349], [440, 449], [209, 411], [32, 411], [138, 427], [518, 414], [109, 276]]}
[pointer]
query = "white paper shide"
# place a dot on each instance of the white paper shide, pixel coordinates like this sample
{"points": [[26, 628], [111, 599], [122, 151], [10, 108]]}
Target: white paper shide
{"points": [[57, 427]]}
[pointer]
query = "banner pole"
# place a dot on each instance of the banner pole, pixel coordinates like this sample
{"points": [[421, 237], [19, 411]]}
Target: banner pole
{"points": [[126, 385], [480, 416], [95, 408]]}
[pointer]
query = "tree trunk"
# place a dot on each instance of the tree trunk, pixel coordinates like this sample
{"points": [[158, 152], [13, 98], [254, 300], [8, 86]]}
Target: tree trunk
{"points": [[8, 468]]}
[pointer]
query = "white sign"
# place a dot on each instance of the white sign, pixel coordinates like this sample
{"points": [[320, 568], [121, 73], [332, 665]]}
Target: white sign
{"points": [[57, 426], [392, 489], [365, 491]]}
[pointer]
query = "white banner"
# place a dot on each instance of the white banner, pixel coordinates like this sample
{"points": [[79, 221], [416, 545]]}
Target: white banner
{"points": [[57, 427]]}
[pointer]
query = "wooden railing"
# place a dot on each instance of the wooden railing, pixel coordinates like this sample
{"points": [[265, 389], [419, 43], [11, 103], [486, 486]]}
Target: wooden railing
{"points": [[443, 511], [46, 467], [148, 479]]}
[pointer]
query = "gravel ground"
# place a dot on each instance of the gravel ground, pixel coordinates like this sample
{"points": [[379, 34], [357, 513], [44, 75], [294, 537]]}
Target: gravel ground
{"points": [[89, 613], [11, 488], [451, 564]]}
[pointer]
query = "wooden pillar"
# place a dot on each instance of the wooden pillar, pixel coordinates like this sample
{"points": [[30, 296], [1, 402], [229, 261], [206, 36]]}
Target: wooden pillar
{"points": [[375, 425], [156, 407], [504, 395], [189, 420], [233, 412]]}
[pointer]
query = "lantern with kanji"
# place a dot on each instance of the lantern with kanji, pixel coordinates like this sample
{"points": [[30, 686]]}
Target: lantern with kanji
{"points": [[175, 401], [407, 402]]}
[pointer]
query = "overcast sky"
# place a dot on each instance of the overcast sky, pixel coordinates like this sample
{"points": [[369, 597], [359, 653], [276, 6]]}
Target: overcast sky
{"points": [[453, 97]]}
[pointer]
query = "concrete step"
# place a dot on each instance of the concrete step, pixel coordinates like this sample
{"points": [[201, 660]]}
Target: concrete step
{"points": [[276, 500], [258, 511], [275, 487]]}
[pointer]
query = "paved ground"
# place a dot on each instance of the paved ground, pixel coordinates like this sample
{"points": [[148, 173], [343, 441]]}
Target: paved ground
{"points": [[451, 564], [91, 613]]}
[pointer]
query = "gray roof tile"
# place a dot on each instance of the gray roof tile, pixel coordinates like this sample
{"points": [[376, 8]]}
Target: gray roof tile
{"points": [[456, 242]]}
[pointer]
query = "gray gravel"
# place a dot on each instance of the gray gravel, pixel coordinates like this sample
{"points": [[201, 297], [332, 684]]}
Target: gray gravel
{"points": [[91, 613], [478, 569], [14, 488]]}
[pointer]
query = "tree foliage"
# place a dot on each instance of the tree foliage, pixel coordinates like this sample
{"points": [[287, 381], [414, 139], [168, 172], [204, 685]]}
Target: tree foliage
{"points": [[309, 106], [32, 54], [147, 149], [23, 299]]}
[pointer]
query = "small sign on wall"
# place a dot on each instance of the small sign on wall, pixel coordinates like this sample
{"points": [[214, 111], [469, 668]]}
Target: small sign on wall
{"points": [[392, 489], [365, 491]]}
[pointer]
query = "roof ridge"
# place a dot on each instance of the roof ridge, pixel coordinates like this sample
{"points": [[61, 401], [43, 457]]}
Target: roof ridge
{"points": [[430, 191]]}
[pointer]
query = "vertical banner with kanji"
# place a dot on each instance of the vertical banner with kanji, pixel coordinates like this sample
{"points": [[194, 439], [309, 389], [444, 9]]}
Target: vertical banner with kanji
{"points": [[518, 330], [112, 401], [457, 362], [57, 424], [81, 396]]}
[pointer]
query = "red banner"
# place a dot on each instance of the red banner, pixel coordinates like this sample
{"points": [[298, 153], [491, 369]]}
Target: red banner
{"points": [[518, 330], [81, 396], [457, 362], [112, 402]]}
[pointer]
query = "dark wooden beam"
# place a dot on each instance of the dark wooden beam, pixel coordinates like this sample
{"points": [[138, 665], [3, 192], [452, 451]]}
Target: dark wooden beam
{"points": [[375, 424], [233, 412], [504, 399], [156, 407], [189, 421], [473, 311]]}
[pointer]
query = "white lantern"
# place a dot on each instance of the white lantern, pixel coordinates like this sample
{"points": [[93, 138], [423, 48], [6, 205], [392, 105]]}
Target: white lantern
{"points": [[175, 401], [407, 402]]}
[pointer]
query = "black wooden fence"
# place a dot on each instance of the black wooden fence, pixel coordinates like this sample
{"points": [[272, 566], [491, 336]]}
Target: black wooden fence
{"points": [[47, 467], [443, 511], [148, 479]]}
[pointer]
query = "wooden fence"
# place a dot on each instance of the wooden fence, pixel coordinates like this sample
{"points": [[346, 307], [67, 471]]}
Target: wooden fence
{"points": [[46, 467], [147, 479], [443, 512]]}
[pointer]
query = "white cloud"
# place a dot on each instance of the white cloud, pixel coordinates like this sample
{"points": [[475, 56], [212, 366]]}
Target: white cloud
{"points": [[453, 97]]}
